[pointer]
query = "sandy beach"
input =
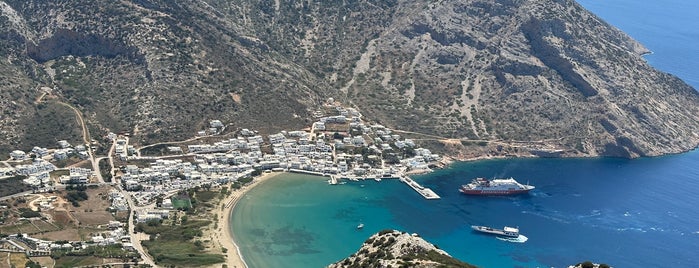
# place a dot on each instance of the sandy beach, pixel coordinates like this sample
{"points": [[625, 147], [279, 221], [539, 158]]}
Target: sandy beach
{"points": [[223, 233]]}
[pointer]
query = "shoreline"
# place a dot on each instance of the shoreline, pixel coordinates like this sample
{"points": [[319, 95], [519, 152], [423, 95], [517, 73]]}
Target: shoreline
{"points": [[224, 234], [225, 237]]}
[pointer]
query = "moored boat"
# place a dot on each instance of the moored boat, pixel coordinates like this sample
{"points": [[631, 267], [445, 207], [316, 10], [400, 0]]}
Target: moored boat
{"points": [[481, 186], [506, 231]]}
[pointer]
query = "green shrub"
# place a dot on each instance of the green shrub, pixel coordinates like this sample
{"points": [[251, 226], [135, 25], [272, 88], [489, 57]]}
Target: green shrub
{"points": [[28, 213]]}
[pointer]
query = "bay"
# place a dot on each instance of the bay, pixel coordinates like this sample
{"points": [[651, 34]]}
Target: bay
{"points": [[628, 213]]}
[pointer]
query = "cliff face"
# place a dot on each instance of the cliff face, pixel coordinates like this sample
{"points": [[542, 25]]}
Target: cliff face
{"points": [[392, 248], [546, 74]]}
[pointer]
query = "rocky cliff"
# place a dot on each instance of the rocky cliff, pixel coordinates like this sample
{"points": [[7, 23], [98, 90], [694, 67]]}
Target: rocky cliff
{"points": [[498, 77], [390, 248]]}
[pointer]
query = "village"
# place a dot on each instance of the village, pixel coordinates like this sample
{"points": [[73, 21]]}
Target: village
{"points": [[145, 184]]}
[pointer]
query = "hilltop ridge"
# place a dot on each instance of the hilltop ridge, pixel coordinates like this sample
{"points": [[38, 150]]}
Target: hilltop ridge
{"points": [[391, 248], [516, 77]]}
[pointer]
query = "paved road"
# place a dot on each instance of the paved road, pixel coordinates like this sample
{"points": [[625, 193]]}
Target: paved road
{"points": [[136, 242]]}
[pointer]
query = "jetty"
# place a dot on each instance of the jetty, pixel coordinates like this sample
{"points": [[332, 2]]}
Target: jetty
{"points": [[427, 193], [332, 180], [302, 171]]}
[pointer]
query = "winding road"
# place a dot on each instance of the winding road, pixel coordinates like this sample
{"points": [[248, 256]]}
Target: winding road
{"points": [[86, 140]]}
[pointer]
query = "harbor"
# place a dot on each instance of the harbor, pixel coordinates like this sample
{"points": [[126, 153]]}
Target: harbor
{"points": [[427, 193]]}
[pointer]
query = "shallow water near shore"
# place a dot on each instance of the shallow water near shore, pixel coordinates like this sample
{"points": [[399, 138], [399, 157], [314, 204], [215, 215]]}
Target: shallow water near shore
{"points": [[628, 213]]}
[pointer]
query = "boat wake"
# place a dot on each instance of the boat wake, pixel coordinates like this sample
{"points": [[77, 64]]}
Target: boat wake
{"points": [[519, 239]]}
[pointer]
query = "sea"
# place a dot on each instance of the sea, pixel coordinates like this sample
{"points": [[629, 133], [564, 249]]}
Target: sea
{"points": [[626, 213]]}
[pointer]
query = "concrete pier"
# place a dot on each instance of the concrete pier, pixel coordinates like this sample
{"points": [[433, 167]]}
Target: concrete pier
{"points": [[309, 172], [333, 180], [427, 193]]}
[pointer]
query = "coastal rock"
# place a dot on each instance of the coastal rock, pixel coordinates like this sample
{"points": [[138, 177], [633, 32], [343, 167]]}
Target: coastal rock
{"points": [[589, 264], [391, 248], [539, 76]]}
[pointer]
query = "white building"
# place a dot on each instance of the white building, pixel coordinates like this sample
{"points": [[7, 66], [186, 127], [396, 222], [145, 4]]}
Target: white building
{"points": [[64, 144], [319, 125], [247, 132], [59, 155], [40, 152], [6, 171], [18, 155], [131, 185], [37, 166], [167, 203], [215, 123], [276, 138]]}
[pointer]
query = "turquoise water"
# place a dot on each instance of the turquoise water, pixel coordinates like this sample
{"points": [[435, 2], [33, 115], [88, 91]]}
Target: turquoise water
{"points": [[629, 213], [298, 220]]}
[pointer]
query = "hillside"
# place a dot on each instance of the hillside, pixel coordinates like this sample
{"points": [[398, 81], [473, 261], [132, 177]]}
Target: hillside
{"points": [[545, 74], [390, 248]]}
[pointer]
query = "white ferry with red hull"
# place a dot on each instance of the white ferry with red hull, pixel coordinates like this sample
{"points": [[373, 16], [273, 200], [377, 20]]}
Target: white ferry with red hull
{"points": [[481, 186]]}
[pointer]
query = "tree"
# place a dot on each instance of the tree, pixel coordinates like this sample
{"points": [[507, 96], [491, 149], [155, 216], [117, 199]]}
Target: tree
{"points": [[199, 245], [154, 223], [32, 264]]}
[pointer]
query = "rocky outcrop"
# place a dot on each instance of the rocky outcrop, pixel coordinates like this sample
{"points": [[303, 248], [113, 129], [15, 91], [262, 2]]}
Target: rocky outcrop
{"points": [[65, 42], [589, 264], [525, 75], [390, 248]]}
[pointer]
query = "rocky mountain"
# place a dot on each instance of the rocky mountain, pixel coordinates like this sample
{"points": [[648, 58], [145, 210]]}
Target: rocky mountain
{"points": [[497, 76], [390, 248]]}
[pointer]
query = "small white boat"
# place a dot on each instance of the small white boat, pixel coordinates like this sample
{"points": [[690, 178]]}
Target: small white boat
{"points": [[360, 226]]}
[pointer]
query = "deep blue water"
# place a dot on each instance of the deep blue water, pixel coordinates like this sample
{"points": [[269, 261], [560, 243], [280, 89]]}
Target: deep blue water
{"points": [[628, 213], [669, 28]]}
